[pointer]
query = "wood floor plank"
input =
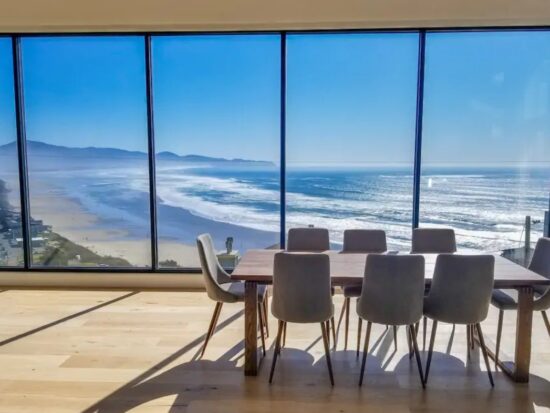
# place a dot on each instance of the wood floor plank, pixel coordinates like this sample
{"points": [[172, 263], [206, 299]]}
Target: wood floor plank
{"points": [[140, 354]]}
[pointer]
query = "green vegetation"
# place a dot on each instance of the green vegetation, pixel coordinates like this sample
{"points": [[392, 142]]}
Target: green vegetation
{"points": [[169, 263], [59, 251]]}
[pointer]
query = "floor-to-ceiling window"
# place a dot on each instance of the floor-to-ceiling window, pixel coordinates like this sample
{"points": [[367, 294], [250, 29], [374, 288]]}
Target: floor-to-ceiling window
{"points": [[351, 102], [486, 138], [86, 128], [217, 113], [11, 238]]}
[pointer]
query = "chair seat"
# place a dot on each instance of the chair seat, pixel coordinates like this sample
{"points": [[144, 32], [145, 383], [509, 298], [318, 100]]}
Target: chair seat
{"points": [[236, 289], [508, 299], [352, 291]]}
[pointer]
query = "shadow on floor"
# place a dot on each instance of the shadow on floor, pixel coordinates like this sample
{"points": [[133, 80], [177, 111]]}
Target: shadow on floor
{"points": [[300, 378], [65, 319]]}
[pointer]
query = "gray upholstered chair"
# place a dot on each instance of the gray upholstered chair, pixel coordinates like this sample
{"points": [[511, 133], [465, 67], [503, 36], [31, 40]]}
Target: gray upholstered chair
{"points": [[392, 294], [366, 241], [460, 294], [221, 289], [507, 299], [308, 239], [432, 241], [301, 294]]}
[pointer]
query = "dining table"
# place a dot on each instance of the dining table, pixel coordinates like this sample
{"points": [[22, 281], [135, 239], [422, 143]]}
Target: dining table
{"points": [[256, 267]]}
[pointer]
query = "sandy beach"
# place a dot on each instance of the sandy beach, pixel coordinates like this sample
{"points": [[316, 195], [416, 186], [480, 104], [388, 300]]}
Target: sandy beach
{"points": [[70, 219]]}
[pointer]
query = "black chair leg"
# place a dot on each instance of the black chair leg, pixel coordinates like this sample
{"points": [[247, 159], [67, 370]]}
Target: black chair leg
{"points": [[412, 338], [484, 351], [424, 331], [277, 349], [212, 326], [430, 351], [359, 327], [395, 338], [365, 352], [325, 332], [409, 342], [546, 322], [499, 336]]}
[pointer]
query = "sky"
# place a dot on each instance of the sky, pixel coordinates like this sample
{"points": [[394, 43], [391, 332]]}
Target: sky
{"points": [[351, 98]]}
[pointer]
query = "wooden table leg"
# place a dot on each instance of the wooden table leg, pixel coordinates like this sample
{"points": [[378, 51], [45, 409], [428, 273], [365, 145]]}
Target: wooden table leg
{"points": [[250, 328], [523, 334], [518, 370]]}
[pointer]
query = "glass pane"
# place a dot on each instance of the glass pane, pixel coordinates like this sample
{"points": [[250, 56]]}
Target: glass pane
{"points": [[486, 145], [351, 105], [11, 242], [86, 112], [217, 141]]}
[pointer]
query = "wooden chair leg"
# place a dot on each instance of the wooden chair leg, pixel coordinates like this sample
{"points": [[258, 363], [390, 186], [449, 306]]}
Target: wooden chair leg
{"points": [[277, 349], [395, 337], [412, 338], [365, 351], [284, 335], [430, 351], [409, 342], [499, 336], [332, 324], [347, 304], [359, 327], [341, 316], [325, 332], [212, 326], [484, 351], [468, 341], [261, 318], [266, 312], [546, 322]]}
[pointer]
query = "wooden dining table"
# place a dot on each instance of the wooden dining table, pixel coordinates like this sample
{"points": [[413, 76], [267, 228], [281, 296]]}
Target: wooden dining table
{"points": [[256, 267]]}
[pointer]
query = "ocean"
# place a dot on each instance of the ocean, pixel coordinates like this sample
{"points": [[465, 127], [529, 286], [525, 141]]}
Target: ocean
{"points": [[485, 206]]}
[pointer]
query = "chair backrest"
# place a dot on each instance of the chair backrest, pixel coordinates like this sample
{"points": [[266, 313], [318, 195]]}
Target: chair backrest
{"points": [[212, 271], [540, 263], [308, 239], [433, 240], [364, 240], [301, 288], [461, 288], [393, 289]]}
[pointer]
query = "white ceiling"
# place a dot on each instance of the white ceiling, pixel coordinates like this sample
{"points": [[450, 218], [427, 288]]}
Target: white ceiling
{"points": [[175, 15]]}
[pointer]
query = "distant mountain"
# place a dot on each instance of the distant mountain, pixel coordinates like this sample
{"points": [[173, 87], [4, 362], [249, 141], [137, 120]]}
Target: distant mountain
{"points": [[41, 149]]}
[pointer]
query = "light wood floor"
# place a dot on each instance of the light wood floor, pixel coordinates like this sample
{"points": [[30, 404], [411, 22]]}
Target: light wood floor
{"points": [[67, 351]]}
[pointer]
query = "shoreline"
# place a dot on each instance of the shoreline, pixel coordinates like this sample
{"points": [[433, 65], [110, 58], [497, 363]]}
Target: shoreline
{"points": [[70, 219]]}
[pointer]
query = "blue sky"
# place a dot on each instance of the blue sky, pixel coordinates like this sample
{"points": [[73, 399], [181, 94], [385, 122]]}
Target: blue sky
{"points": [[7, 114], [350, 97]]}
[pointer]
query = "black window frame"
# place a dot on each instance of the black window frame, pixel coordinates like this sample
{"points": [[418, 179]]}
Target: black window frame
{"points": [[148, 79]]}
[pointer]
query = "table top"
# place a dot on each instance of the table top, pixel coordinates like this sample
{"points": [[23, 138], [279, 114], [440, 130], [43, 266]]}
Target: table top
{"points": [[348, 268]]}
